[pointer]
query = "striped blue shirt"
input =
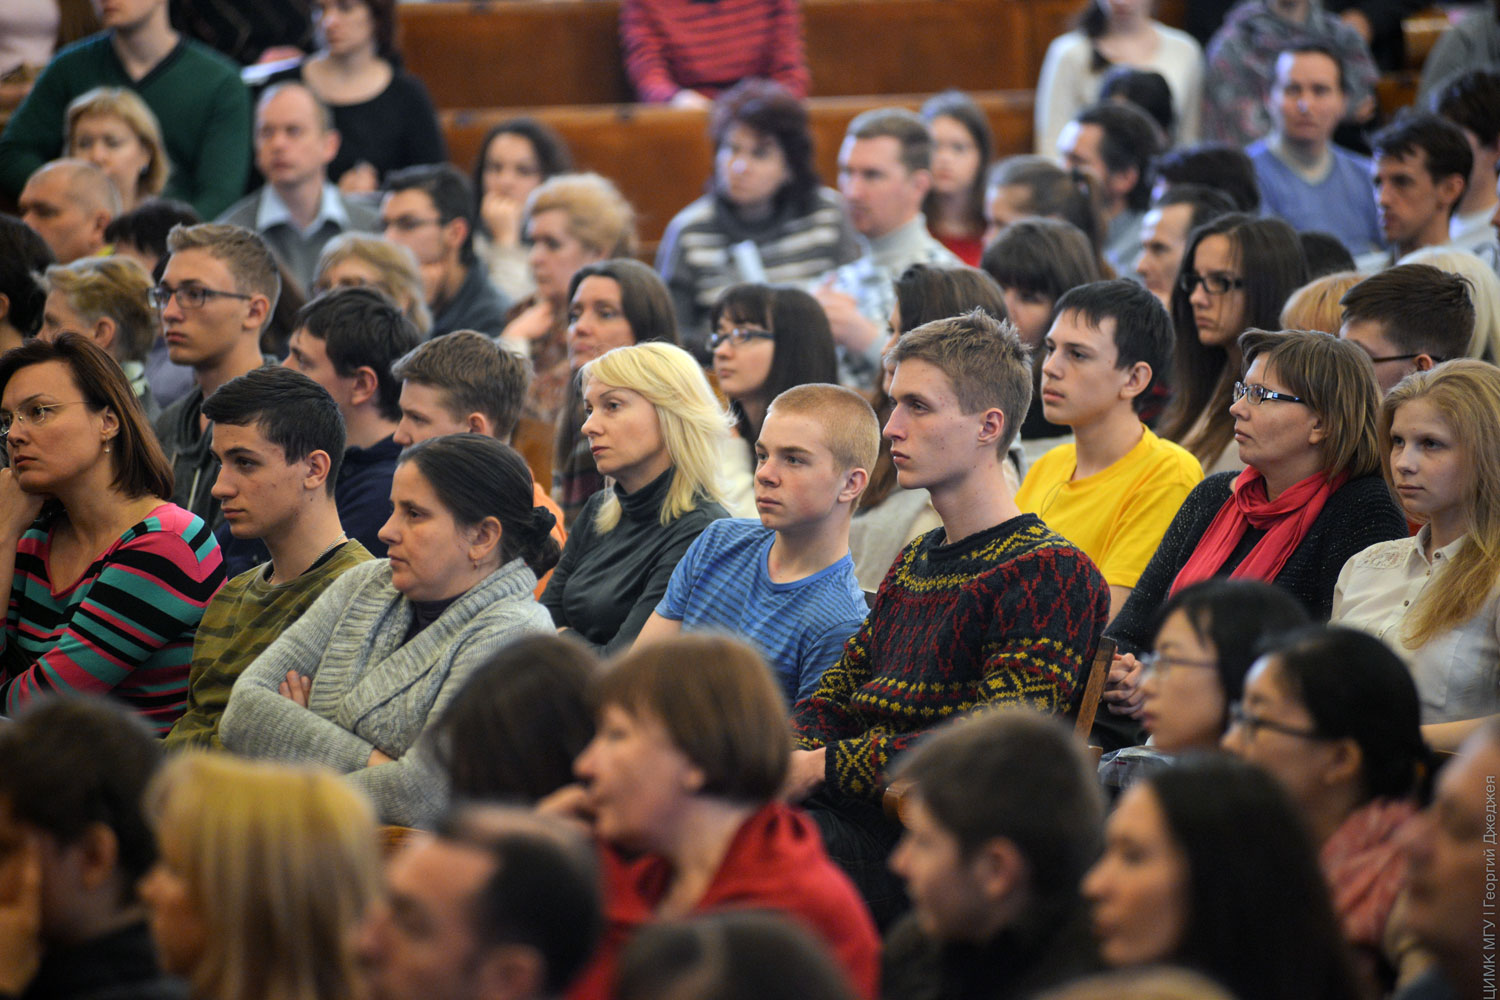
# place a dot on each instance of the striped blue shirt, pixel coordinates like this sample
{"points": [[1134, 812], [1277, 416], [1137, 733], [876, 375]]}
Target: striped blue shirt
{"points": [[724, 584]]}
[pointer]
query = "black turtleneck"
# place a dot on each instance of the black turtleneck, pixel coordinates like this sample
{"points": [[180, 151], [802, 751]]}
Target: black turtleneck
{"points": [[608, 583]]}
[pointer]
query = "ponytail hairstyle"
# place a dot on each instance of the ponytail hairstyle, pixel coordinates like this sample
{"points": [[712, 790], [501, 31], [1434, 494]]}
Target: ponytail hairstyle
{"points": [[476, 477], [1466, 394]]}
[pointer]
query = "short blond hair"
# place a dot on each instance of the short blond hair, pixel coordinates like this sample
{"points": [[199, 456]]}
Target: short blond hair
{"points": [[1316, 305], [250, 261], [694, 424], [114, 287], [400, 279], [280, 862], [599, 217], [127, 106], [851, 430]]}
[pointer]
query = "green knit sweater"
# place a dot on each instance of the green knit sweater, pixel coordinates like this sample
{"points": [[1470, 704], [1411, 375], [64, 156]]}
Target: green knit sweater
{"points": [[195, 93]]}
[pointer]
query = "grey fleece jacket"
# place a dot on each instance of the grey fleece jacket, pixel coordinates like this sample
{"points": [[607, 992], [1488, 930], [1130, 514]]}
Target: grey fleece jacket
{"points": [[369, 690]]}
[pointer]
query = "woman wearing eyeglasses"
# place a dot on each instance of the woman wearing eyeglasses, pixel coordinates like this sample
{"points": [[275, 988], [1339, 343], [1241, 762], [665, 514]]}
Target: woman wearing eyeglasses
{"points": [[1237, 273], [1206, 639], [767, 339], [1434, 597], [1311, 494], [106, 579], [1332, 714]]}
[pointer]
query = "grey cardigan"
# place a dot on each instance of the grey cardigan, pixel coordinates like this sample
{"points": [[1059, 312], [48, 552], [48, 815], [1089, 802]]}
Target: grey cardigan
{"points": [[369, 690]]}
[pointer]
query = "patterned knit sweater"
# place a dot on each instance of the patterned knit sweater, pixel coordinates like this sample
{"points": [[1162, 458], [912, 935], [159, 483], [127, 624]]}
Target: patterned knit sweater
{"points": [[1007, 617]]}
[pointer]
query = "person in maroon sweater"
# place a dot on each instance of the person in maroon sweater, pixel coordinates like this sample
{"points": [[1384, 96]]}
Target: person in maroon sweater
{"points": [[687, 51], [680, 786], [991, 610]]}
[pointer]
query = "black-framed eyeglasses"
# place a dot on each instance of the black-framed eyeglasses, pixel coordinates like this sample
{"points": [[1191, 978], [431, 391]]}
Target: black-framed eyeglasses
{"points": [[1253, 723], [1259, 394], [739, 336], [189, 296], [1213, 284], [1162, 665], [34, 414]]}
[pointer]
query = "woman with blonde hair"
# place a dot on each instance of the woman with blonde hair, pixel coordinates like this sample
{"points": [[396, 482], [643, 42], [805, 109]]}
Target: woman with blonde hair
{"points": [[113, 129], [264, 872], [107, 300], [570, 221], [1433, 597], [352, 259], [1315, 306], [656, 429]]}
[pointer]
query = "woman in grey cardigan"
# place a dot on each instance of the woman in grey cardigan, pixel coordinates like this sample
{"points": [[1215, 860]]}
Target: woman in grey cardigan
{"points": [[355, 681]]}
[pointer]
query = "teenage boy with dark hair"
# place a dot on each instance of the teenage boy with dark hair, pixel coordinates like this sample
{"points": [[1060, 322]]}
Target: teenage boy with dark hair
{"points": [[1116, 487], [1472, 102], [346, 341], [991, 610], [1421, 170], [1002, 817], [1409, 318], [74, 843], [280, 440], [785, 583]]}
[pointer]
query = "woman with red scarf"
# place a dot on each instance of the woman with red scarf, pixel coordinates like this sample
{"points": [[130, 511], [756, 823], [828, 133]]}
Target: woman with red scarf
{"points": [[1311, 496]]}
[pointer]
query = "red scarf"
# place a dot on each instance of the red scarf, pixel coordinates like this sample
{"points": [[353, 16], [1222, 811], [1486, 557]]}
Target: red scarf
{"points": [[1285, 521]]}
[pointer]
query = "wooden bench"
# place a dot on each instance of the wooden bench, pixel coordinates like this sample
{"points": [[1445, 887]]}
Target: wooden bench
{"points": [[661, 157], [532, 53]]}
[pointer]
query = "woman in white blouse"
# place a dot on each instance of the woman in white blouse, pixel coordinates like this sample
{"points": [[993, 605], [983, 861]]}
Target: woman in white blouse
{"points": [[1434, 598], [1116, 33]]}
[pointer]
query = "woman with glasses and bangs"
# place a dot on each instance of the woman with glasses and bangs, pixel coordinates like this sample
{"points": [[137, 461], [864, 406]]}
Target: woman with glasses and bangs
{"points": [[1311, 495], [106, 579], [1237, 273]]}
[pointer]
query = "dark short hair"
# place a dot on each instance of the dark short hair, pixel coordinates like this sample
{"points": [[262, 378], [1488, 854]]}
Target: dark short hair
{"points": [[451, 196], [476, 477], [474, 375], [1017, 776], [362, 329], [1239, 927], [146, 226], [900, 124], [1041, 257], [645, 300], [141, 467], [804, 350], [1311, 47], [289, 409], [1207, 203], [522, 718], [543, 893], [1144, 89], [1325, 254], [1214, 165], [1356, 688], [71, 763], [552, 155], [767, 107], [926, 292], [1130, 141], [23, 256], [1143, 330], [1233, 616], [1471, 100], [1421, 309], [1446, 152], [1053, 192]]}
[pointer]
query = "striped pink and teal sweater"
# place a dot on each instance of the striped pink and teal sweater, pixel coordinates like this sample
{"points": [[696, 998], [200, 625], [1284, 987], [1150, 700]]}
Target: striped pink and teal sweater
{"points": [[124, 628]]}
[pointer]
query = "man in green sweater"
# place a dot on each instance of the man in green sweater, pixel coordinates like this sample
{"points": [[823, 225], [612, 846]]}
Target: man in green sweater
{"points": [[280, 439], [195, 93]]}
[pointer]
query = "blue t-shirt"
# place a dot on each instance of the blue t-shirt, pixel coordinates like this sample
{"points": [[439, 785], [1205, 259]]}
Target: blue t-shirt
{"points": [[1343, 203], [724, 583]]}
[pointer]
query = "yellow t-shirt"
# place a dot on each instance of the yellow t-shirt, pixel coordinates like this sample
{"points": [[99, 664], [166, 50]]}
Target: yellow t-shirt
{"points": [[1116, 516]]}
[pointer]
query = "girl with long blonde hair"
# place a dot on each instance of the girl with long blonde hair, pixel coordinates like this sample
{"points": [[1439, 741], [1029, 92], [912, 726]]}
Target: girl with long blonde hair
{"points": [[656, 429], [1433, 597]]}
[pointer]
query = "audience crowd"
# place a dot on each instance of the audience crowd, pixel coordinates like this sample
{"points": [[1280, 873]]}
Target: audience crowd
{"points": [[1062, 575]]}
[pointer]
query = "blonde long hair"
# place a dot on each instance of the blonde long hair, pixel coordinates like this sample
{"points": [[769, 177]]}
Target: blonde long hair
{"points": [[693, 422], [280, 863], [1466, 394]]}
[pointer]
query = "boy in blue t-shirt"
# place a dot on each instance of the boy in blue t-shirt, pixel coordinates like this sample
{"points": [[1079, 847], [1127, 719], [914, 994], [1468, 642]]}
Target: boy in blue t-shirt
{"points": [[785, 584]]}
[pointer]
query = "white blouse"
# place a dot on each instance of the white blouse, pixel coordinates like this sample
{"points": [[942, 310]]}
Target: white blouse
{"points": [[1457, 672]]}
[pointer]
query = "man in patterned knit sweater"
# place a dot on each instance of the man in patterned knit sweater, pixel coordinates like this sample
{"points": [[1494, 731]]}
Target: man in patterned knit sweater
{"points": [[990, 610]]}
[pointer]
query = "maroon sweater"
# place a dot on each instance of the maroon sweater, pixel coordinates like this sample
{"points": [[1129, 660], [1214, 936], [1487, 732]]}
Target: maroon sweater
{"points": [[710, 45]]}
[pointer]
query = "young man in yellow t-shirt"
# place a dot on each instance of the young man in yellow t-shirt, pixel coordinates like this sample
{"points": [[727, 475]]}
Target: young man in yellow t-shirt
{"points": [[1115, 489]]}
